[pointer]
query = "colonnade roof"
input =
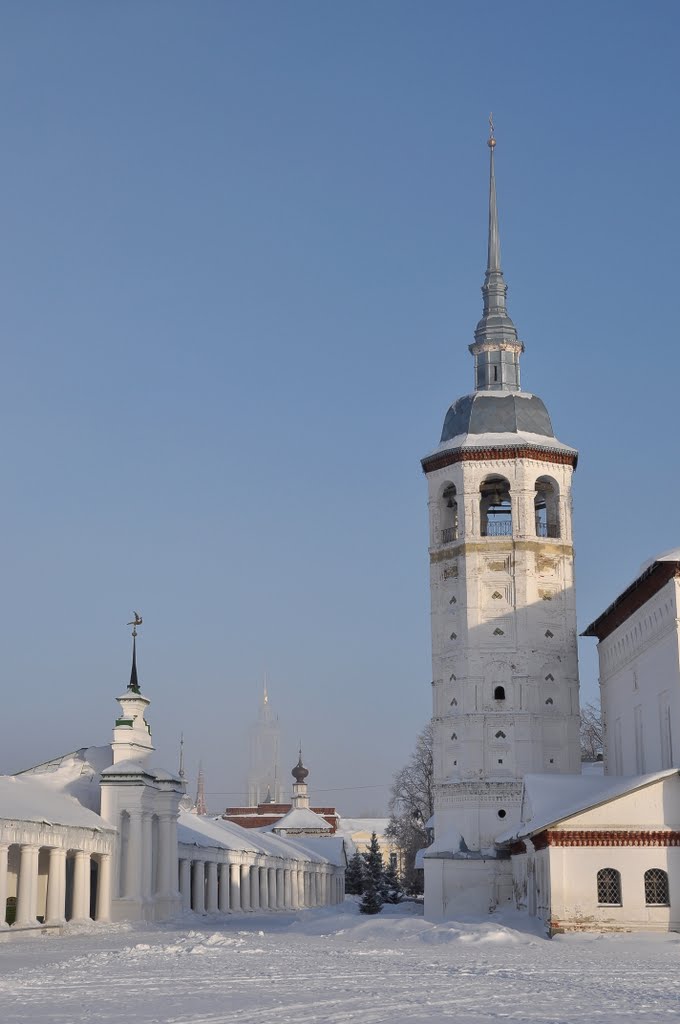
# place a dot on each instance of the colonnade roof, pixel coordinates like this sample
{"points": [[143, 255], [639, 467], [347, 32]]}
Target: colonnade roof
{"points": [[194, 830], [30, 800]]}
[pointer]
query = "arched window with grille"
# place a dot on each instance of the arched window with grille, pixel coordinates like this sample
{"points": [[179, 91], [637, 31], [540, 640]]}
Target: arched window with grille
{"points": [[609, 887], [656, 888]]}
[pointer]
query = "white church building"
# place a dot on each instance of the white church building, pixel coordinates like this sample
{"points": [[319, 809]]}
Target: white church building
{"points": [[515, 820], [103, 833]]}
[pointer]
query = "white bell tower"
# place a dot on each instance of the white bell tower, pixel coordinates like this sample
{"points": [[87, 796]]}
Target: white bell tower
{"points": [[504, 655]]}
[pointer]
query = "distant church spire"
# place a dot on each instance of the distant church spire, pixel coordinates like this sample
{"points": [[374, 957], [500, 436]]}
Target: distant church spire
{"points": [[201, 806], [496, 347]]}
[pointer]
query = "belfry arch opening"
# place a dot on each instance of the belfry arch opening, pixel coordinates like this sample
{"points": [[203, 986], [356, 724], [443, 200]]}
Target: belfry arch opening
{"points": [[449, 514], [495, 507], [546, 508]]}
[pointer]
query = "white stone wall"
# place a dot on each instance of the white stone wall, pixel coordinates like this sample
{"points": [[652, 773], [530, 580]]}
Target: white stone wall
{"points": [[503, 613], [558, 883], [640, 688]]}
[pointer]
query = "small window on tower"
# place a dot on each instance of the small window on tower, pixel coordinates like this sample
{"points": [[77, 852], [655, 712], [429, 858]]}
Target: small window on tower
{"points": [[500, 735], [499, 693]]}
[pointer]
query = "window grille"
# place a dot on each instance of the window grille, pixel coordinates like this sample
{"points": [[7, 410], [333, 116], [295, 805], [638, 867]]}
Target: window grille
{"points": [[609, 886], [656, 888]]}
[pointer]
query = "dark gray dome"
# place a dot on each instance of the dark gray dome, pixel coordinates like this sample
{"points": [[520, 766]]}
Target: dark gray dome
{"points": [[494, 413]]}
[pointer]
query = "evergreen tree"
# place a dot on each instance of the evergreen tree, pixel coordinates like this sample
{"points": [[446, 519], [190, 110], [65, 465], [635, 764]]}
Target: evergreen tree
{"points": [[391, 886], [372, 902], [354, 875]]}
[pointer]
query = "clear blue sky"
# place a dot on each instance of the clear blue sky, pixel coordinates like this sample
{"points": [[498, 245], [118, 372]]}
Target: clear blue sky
{"points": [[241, 249]]}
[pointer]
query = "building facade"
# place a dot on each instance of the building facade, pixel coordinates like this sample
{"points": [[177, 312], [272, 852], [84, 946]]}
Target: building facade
{"points": [[504, 654]]}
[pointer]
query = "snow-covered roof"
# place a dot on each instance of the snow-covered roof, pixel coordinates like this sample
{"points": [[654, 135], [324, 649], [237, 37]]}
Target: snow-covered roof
{"points": [[140, 767], [673, 555], [350, 826], [301, 818], [548, 799], [502, 440], [76, 773], [331, 848], [24, 799], [194, 830]]}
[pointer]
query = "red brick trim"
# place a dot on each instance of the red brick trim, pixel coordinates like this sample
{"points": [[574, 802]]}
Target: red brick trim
{"points": [[620, 837], [433, 462], [518, 847]]}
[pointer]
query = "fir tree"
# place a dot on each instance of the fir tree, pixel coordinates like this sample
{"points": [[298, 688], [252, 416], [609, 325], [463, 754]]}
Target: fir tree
{"points": [[372, 902], [354, 876], [391, 886]]}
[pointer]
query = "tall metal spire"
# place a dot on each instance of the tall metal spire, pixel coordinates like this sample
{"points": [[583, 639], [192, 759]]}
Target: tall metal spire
{"points": [[496, 347], [133, 685], [493, 260]]}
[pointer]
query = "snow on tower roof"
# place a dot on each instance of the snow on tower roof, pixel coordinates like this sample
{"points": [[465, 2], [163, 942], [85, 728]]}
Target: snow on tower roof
{"points": [[301, 818]]}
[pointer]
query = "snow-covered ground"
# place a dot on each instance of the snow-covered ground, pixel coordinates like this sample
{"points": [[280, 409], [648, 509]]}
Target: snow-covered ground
{"points": [[334, 965]]}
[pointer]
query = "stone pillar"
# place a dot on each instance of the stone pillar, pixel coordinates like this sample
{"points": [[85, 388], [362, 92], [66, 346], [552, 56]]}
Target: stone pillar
{"points": [[223, 889], [133, 874], [280, 904], [27, 900], [294, 894], [147, 861], [264, 888], [245, 887], [185, 882], [166, 876], [287, 898], [198, 888], [103, 905], [272, 889], [234, 887], [56, 887], [81, 886], [4, 850], [212, 888], [254, 888]]}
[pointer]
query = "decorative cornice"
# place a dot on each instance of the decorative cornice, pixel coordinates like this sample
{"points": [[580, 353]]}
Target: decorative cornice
{"points": [[608, 837], [492, 453], [632, 599]]}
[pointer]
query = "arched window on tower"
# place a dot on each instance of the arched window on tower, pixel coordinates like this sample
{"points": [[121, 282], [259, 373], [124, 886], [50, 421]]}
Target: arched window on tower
{"points": [[499, 693], [449, 514], [495, 507], [546, 507]]}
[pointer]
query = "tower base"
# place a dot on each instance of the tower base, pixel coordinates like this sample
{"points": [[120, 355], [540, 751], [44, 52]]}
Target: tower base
{"points": [[460, 887]]}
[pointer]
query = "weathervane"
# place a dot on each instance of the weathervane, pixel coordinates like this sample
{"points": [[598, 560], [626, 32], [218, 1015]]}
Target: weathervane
{"points": [[137, 621], [492, 128]]}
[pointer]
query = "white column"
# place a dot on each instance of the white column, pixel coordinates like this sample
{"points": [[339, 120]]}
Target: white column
{"points": [[223, 889], [147, 860], [245, 887], [272, 889], [56, 887], [103, 906], [81, 887], [301, 887], [254, 888], [286, 889], [198, 888], [264, 888], [235, 887], [185, 882], [166, 877], [4, 850], [212, 887], [294, 894], [28, 886], [279, 889], [133, 860]]}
